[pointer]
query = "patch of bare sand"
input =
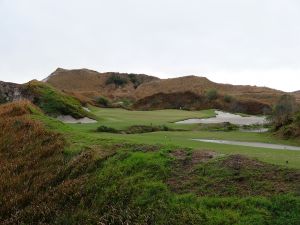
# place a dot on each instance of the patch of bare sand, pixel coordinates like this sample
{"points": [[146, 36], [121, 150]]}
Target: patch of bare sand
{"points": [[70, 119]]}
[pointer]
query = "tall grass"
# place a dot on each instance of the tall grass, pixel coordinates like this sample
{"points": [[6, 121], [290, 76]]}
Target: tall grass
{"points": [[37, 182]]}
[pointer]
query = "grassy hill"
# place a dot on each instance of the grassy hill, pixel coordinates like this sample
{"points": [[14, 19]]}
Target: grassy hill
{"points": [[51, 100], [199, 85], [191, 101], [87, 86]]}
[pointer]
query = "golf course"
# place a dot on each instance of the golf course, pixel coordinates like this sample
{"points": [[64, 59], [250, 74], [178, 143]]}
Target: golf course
{"points": [[181, 136]]}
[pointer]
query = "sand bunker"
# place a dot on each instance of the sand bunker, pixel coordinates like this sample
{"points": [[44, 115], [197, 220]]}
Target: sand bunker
{"points": [[223, 117], [70, 119]]}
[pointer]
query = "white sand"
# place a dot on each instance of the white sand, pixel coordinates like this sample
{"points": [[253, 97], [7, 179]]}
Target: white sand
{"points": [[86, 109], [70, 119], [223, 117]]}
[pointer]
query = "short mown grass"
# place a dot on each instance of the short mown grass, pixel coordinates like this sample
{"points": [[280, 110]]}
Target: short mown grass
{"points": [[120, 119]]}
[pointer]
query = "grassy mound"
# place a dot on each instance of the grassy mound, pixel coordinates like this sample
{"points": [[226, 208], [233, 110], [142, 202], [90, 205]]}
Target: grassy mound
{"points": [[54, 102]]}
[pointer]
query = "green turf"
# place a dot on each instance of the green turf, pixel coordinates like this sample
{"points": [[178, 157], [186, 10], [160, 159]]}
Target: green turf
{"points": [[131, 185], [85, 134], [121, 118]]}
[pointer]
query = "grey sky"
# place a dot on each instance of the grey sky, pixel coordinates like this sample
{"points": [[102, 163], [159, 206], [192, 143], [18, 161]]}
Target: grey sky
{"points": [[231, 41]]}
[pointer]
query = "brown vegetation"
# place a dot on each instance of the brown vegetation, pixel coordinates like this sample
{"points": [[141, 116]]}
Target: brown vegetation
{"points": [[88, 85], [92, 84], [37, 182], [191, 101]]}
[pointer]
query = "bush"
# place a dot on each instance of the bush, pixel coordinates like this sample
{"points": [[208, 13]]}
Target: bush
{"points": [[103, 101], [228, 98], [297, 119], [138, 129], [283, 111], [135, 129], [225, 127], [212, 94], [134, 79], [2, 99], [117, 80], [107, 129]]}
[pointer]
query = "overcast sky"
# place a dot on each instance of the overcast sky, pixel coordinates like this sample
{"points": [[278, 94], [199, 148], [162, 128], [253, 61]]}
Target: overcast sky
{"points": [[231, 41]]}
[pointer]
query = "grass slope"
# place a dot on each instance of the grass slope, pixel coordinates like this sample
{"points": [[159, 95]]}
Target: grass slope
{"points": [[91, 84], [53, 101]]}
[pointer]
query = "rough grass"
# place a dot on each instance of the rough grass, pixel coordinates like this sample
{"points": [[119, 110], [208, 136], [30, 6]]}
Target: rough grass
{"points": [[136, 129], [37, 181], [231, 175], [54, 102]]}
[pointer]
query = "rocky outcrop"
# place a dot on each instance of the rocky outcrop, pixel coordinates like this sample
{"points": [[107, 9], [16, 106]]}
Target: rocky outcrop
{"points": [[10, 92]]}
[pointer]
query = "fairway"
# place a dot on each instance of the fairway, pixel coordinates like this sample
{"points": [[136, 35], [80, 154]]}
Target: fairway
{"points": [[86, 135], [121, 118]]}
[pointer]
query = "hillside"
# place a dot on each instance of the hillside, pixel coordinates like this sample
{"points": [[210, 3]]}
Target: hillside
{"points": [[297, 95], [51, 100], [91, 83], [200, 85], [88, 85], [191, 101]]}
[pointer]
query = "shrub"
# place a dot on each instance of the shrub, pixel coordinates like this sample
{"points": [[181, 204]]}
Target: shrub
{"points": [[283, 111], [219, 127], [134, 79], [107, 129], [212, 94], [2, 99], [228, 98], [137, 129], [117, 80], [103, 101]]}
